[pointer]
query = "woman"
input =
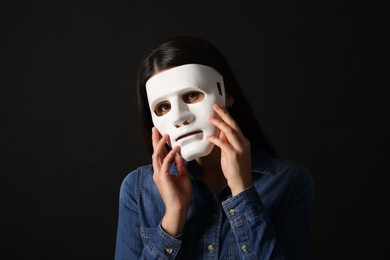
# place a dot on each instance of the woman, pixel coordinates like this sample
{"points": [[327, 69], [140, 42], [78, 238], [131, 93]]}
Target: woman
{"points": [[215, 189]]}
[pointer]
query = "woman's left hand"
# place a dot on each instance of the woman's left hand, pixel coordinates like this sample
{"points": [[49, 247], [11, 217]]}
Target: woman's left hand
{"points": [[235, 151]]}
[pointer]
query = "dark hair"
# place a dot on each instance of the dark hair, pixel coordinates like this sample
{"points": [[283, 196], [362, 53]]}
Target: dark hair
{"points": [[192, 50]]}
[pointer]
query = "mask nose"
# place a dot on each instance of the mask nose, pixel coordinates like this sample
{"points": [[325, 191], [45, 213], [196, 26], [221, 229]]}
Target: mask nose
{"points": [[181, 115]]}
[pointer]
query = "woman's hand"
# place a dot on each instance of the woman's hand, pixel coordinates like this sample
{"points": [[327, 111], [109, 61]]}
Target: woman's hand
{"points": [[176, 190], [235, 151]]}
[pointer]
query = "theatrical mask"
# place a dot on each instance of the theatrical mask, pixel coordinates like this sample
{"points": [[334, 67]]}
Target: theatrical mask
{"points": [[181, 100]]}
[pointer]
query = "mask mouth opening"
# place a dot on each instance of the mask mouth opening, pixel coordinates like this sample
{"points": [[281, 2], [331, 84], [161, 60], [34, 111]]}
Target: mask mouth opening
{"points": [[189, 134]]}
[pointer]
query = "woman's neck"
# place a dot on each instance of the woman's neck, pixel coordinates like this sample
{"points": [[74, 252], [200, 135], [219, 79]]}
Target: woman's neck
{"points": [[211, 171]]}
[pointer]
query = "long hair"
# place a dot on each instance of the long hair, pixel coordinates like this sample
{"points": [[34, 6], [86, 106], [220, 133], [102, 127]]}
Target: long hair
{"points": [[192, 50]]}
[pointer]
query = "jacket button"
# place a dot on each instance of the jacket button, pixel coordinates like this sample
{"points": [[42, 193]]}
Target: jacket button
{"points": [[232, 212], [244, 248], [168, 250], [210, 248]]}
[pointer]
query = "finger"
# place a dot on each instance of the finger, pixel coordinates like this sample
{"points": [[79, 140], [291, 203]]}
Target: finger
{"points": [[161, 145], [226, 117], [158, 138], [155, 137], [180, 165], [156, 165], [159, 153], [156, 162], [168, 159], [223, 137], [232, 136], [226, 148]]}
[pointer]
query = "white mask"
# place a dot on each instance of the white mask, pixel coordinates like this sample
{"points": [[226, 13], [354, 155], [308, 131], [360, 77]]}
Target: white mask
{"points": [[181, 100]]}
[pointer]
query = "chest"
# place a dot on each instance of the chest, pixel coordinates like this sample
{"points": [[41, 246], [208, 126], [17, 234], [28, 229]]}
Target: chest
{"points": [[207, 234]]}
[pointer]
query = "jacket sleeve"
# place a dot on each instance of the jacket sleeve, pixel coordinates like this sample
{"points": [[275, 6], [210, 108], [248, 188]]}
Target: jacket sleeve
{"points": [[258, 237], [133, 241]]}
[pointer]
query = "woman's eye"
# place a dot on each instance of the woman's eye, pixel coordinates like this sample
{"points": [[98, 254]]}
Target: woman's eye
{"points": [[162, 109], [193, 97]]}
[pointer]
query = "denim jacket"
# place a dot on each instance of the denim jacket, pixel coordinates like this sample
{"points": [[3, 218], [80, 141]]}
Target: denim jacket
{"points": [[269, 220]]}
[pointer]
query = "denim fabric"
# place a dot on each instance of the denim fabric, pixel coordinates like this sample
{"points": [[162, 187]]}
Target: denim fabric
{"points": [[269, 220]]}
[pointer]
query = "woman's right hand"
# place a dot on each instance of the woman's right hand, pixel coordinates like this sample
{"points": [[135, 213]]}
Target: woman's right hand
{"points": [[175, 190]]}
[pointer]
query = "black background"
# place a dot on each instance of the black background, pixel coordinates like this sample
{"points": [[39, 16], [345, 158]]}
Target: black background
{"points": [[69, 125]]}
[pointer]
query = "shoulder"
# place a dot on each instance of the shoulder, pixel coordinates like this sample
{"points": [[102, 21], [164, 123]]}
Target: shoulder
{"points": [[295, 184], [139, 193], [289, 167], [279, 176], [265, 164], [282, 183], [133, 182], [296, 172]]}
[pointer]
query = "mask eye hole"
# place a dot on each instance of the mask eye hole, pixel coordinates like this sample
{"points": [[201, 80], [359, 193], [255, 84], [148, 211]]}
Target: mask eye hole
{"points": [[162, 108], [193, 97]]}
